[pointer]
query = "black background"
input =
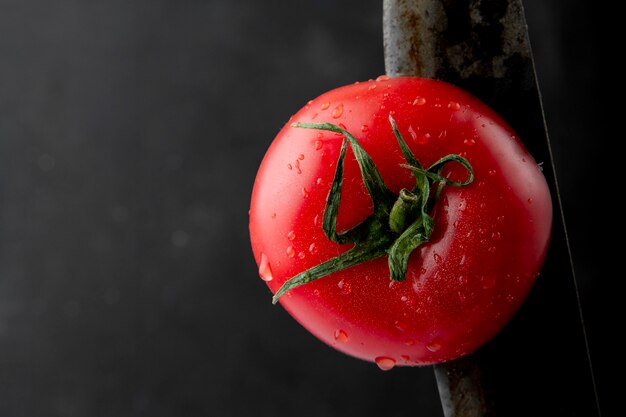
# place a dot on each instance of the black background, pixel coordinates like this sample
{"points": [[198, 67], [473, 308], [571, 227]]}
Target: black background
{"points": [[130, 134]]}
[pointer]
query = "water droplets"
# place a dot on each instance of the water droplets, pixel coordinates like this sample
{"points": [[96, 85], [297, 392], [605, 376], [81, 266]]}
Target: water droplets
{"points": [[437, 258], [364, 128], [492, 172], [385, 363], [337, 112], [488, 281], [435, 345], [291, 252], [412, 133], [469, 142], [291, 235], [382, 78], [496, 236], [399, 325], [318, 144], [341, 336], [419, 101], [265, 271], [325, 105], [454, 106], [313, 249], [345, 287]]}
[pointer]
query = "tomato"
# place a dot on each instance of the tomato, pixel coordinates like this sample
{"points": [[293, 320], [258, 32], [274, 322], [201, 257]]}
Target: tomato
{"points": [[463, 283]]}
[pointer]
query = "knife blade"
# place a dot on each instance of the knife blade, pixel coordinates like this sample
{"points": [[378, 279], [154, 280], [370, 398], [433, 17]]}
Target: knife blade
{"points": [[540, 363]]}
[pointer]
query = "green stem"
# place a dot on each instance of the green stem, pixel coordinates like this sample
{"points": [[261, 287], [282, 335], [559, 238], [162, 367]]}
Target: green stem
{"points": [[399, 224]]}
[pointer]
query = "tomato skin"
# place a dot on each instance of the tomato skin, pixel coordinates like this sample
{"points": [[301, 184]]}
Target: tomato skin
{"points": [[463, 286]]}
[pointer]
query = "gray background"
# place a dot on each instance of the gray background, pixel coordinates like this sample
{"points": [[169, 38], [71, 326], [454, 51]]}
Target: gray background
{"points": [[130, 134]]}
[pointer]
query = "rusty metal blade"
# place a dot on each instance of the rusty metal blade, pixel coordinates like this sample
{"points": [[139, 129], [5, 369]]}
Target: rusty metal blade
{"points": [[539, 365]]}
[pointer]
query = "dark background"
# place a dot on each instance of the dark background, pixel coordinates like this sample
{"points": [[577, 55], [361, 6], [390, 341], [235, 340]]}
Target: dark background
{"points": [[130, 134]]}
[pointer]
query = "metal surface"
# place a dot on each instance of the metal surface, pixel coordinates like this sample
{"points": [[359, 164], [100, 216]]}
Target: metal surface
{"points": [[539, 364]]}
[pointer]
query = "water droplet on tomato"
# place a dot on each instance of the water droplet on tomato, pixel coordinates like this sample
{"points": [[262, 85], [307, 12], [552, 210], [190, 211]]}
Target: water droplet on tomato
{"points": [[265, 271], [491, 249], [291, 252], [469, 142], [400, 325], [316, 219], [412, 133], [301, 157], [371, 87], [409, 342], [382, 78], [496, 235], [437, 258], [341, 336], [500, 218], [385, 363], [442, 134], [461, 295], [291, 235], [289, 167], [345, 287], [301, 255], [318, 181], [530, 200], [318, 144], [364, 128], [297, 164], [453, 105], [312, 248], [435, 344], [405, 358], [423, 138], [419, 101], [488, 281], [492, 172], [325, 105], [462, 278], [305, 192]]}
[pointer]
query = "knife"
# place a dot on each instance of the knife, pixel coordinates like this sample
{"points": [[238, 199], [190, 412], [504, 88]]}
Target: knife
{"points": [[540, 363]]}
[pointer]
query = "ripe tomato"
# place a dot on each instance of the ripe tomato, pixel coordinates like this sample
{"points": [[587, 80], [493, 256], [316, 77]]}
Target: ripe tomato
{"points": [[488, 240]]}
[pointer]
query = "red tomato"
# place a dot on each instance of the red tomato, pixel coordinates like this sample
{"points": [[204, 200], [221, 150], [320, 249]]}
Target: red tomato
{"points": [[463, 285]]}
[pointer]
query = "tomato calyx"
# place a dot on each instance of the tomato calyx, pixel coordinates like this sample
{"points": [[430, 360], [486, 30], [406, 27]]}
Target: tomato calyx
{"points": [[399, 223]]}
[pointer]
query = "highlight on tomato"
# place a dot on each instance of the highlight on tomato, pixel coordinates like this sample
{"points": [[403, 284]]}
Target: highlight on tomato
{"points": [[400, 220]]}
